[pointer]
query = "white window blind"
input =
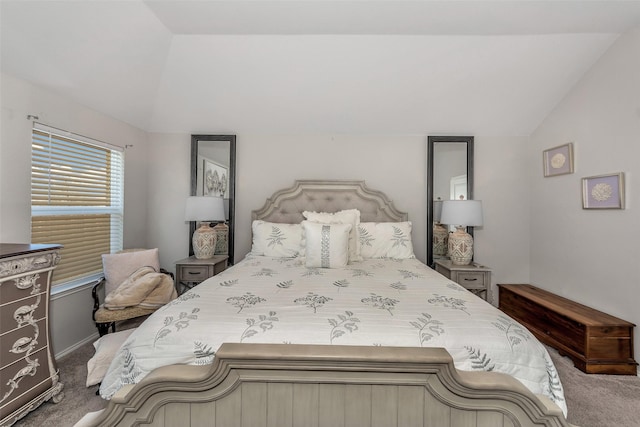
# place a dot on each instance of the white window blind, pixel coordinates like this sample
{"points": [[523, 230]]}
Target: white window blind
{"points": [[76, 200]]}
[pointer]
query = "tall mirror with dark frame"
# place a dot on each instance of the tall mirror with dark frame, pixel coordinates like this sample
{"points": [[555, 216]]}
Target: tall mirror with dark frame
{"points": [[449, 177], [213, 171]]}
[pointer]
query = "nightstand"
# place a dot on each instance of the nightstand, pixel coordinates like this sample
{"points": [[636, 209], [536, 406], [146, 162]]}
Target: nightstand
{"points": [[192, 271], [474, 277]]}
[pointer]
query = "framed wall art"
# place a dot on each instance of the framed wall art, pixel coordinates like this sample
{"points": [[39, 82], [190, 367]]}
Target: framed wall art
{"points": [[558, 160], [215, 179], [603, 191]]}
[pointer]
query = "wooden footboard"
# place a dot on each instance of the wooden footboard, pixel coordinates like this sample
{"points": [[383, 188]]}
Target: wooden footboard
{"points": [[304, 385]]}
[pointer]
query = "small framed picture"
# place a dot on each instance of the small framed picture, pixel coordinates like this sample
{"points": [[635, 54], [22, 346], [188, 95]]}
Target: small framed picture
{"points": [[603, 191], [558, 160]]}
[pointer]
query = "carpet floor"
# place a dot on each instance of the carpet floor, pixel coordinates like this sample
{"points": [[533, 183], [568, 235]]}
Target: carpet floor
{"points": [[593, 400]]}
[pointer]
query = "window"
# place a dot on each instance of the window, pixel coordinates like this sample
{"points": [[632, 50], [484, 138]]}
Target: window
{"points": [[76, 200]]}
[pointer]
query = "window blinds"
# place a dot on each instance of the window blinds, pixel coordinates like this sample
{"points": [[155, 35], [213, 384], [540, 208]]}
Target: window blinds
{"points": [[76, 199]]}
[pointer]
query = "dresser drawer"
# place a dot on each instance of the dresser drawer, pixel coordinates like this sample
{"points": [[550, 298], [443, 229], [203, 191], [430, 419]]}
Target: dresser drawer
{"points": [[23, 286], [195, 273], [32, 379], [18, 265], [21, 311], [474, 277], [471, 279], [15, 344]]}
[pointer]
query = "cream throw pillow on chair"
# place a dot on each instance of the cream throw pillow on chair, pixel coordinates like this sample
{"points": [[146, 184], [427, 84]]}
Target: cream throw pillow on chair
{"points": [[119, 266]]}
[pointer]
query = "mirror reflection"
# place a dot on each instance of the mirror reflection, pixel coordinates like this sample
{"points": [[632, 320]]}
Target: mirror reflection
{"points": [[213, 174], [450, 177]]}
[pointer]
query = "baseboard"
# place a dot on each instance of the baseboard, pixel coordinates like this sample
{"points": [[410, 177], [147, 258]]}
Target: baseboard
{"points": [[91, 338]]}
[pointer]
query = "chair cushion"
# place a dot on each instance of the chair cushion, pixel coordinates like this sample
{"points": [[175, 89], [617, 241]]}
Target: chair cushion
{"points": [[118, 267], [104, 315]]}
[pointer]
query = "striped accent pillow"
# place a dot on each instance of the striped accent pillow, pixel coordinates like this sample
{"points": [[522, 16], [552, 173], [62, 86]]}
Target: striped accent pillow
{"points": [[327, 245]]}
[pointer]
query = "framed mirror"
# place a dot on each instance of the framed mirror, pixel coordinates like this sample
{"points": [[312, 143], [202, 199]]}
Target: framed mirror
{"points": [[215, 156], [449, 177]]}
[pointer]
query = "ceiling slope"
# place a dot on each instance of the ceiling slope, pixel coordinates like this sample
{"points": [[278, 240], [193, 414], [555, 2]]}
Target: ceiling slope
{"points": [[495, 67]]}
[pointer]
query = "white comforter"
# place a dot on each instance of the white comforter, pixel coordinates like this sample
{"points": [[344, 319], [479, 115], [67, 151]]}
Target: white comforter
{"points": [[374, 302]]}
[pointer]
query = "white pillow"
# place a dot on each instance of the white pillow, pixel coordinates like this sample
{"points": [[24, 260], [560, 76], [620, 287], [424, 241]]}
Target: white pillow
{"points": [[327, 245], [349, 216], [276, 240], [386, 240], [106, 348], [118, 267]]}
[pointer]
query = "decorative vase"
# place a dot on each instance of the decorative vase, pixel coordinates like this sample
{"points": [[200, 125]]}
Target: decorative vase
{"points": [[440, 239], [222, 243], [204, 241], [460, 247]]}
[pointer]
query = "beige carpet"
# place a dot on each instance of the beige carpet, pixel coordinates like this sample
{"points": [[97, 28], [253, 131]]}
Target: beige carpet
{"points": [[593, 400], [598, 400], [78, 399]]}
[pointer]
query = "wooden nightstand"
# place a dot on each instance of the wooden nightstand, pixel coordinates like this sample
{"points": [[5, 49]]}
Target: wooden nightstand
{"points": [[474, 277], [192, 271]]}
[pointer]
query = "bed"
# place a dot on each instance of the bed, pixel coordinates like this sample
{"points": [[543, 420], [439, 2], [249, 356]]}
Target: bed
{"points": [[340, 327]]}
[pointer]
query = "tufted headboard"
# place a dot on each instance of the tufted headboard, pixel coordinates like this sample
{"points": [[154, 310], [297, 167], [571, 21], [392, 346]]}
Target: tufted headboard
{"points": [[287, 205]]}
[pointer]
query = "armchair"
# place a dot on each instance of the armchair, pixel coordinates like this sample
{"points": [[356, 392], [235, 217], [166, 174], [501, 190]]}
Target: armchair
{"points": [[133, 274]]}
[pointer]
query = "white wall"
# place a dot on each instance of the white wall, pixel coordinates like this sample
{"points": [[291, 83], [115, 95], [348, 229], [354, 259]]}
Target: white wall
{"points": [[266, 163], [591, 256], [394, 164], [169, 169], [157, 183], [70, 314], [500, 181]]}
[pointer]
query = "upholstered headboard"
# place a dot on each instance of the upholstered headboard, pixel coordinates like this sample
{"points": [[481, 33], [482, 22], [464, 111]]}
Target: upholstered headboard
{"points": [[287, 205]]}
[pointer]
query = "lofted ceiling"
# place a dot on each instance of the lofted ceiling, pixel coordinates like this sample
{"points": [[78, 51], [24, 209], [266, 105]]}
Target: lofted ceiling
{"points": [[317, 66]]}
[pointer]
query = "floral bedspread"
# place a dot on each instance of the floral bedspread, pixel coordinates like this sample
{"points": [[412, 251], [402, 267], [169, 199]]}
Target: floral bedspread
{"points": [[374, 302]]}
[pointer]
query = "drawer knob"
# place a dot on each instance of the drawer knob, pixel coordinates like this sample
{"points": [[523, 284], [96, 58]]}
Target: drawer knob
{"points": [[193, 272], [471, 280]]}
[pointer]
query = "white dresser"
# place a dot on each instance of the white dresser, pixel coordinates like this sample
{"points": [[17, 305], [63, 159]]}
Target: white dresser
{"points": [[28, 371]]}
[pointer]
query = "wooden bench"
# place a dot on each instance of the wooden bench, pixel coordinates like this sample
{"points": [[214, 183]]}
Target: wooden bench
{"points": [[598, 343]]}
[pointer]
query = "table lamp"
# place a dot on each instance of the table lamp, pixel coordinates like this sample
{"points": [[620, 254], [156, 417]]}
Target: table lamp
{"points": [[461, 214], [204, 209]]}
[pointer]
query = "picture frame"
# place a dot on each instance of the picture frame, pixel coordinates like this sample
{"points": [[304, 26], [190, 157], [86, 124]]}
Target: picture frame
{"points": [[603, 191], [215, 179], [558, 160]]}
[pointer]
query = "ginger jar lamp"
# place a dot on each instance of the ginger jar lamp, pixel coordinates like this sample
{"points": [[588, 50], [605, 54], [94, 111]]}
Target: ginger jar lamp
{"points": [[461, 214], [204, 209], [440, 232]]}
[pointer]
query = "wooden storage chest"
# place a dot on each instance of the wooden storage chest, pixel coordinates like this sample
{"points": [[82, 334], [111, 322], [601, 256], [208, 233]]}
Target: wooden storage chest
{"points": [[598, 343]]}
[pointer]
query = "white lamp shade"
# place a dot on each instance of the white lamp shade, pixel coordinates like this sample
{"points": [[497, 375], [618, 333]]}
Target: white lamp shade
{"points": [[462, 212], [204, 208]]}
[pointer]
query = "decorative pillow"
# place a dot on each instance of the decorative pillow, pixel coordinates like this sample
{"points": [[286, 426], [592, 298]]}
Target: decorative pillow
{"points": [[327, 245], [106, 348], [276, 240], [349, 216], [386, 240], [118, 267]]}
